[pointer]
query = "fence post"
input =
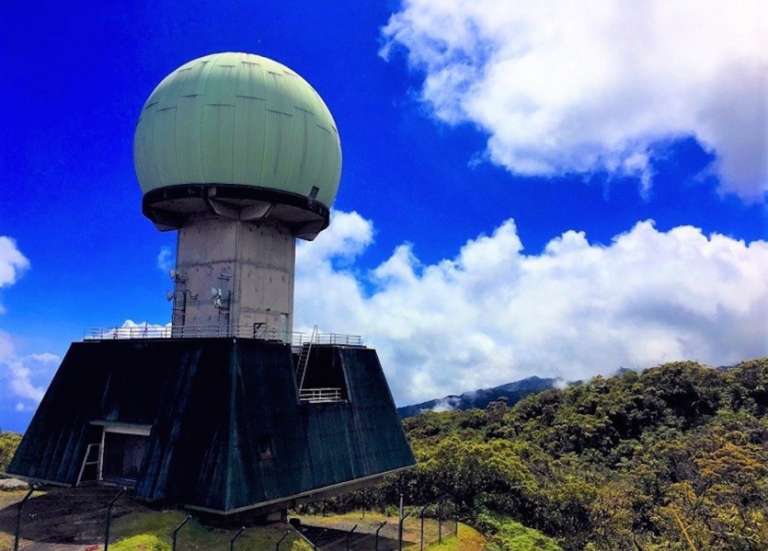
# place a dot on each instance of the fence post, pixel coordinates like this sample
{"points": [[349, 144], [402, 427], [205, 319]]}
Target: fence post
{"points": [[175, 532], [400, 531], [439, 522], [440, 514], [277, 545], [421, 537], [382, 525], [234, 538], [456, 523], [109, 517], [312, 544], [18, 518], [349, 535]]}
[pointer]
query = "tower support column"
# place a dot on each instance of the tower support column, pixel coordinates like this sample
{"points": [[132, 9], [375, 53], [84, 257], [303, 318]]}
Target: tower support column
{"points": [[234, 278]]}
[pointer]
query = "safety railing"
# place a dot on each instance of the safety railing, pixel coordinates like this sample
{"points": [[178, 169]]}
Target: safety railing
{"points": [[255, 331], [327, 338], [321, 395]]}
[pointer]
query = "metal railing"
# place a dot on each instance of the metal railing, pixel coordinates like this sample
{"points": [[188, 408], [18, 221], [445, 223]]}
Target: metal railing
{"points": [[320, 395], [298, 339], [255, 331]]}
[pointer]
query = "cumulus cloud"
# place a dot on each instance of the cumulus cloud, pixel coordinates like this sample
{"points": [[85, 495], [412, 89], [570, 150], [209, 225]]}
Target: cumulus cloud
{"points": [[493, 314], [12, 263], [568, 87], [135, 330], [165, 259], [26, 376]]}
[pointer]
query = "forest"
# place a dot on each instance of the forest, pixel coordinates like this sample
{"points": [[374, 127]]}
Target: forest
{"points": [[671, 458], [674, 458]]}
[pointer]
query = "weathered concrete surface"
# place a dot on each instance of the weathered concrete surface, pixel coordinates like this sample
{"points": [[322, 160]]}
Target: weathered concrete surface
{"points": [[233, 277]]}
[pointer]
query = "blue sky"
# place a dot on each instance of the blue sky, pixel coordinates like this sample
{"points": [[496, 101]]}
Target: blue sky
{"points": [[419, 172]]}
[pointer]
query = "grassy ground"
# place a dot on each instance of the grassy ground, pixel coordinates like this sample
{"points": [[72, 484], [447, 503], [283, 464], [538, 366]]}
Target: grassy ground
{"points": [[510, 535], [10, 497], [468, 539], [151, 532]]}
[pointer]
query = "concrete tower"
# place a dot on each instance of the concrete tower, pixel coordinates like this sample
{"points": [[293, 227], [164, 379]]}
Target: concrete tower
{"points": [[241, 156]]}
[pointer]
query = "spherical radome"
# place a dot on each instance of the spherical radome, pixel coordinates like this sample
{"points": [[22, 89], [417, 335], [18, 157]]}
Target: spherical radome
{"points": [[241, 119]]}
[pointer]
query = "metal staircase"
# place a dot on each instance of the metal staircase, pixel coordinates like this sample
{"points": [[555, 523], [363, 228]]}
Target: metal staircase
{"points": [[306, 349]]}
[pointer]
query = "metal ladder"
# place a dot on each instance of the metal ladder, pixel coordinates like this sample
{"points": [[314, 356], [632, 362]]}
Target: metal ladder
{"points": [[86, 463], [306, 349]]}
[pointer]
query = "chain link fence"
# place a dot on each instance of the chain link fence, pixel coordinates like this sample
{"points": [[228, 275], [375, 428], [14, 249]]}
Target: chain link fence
{"points": [[387, 529], [418, 528]]}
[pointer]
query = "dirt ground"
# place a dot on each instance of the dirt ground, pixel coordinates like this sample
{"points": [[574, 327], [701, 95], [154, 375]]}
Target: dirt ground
{"points": [[60, 519]]}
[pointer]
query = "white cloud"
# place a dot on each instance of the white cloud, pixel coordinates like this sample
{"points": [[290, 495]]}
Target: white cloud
{"points": [[165, 259], [446, 404], [135, 330], [564, 87], [493, 314], [46, 358], [21, 382], [12, 263], [26, 376]]}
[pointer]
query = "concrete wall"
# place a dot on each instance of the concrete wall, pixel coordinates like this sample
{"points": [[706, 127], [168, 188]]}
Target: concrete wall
{"points": [[253, 266]]}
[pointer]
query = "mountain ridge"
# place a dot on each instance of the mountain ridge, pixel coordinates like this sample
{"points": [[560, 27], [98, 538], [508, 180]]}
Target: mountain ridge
{"points": [[514, 392]]}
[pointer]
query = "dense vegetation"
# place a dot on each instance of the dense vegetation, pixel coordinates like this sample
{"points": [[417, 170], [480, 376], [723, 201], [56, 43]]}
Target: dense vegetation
{"points": [[674, 458], [9, 441]]}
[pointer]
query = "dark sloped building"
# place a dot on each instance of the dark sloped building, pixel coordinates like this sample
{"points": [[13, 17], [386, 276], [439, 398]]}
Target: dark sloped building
{"points": [[226, 409]]}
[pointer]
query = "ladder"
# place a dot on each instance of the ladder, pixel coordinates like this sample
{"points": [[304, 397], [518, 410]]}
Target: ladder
{"points": [[87, 462], [306, 349]]}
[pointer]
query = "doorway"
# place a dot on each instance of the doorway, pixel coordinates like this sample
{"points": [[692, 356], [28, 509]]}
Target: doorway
{"points": [[123, 455], [122, 452]]}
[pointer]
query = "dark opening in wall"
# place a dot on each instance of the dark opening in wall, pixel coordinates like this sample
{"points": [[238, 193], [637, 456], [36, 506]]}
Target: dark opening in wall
{"points": [[326, 370], [123, 454]]}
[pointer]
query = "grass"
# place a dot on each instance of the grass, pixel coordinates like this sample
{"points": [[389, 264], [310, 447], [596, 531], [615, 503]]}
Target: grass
{"points": [[150, 531], [510, 535], [467, 539], [9, 497]]}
